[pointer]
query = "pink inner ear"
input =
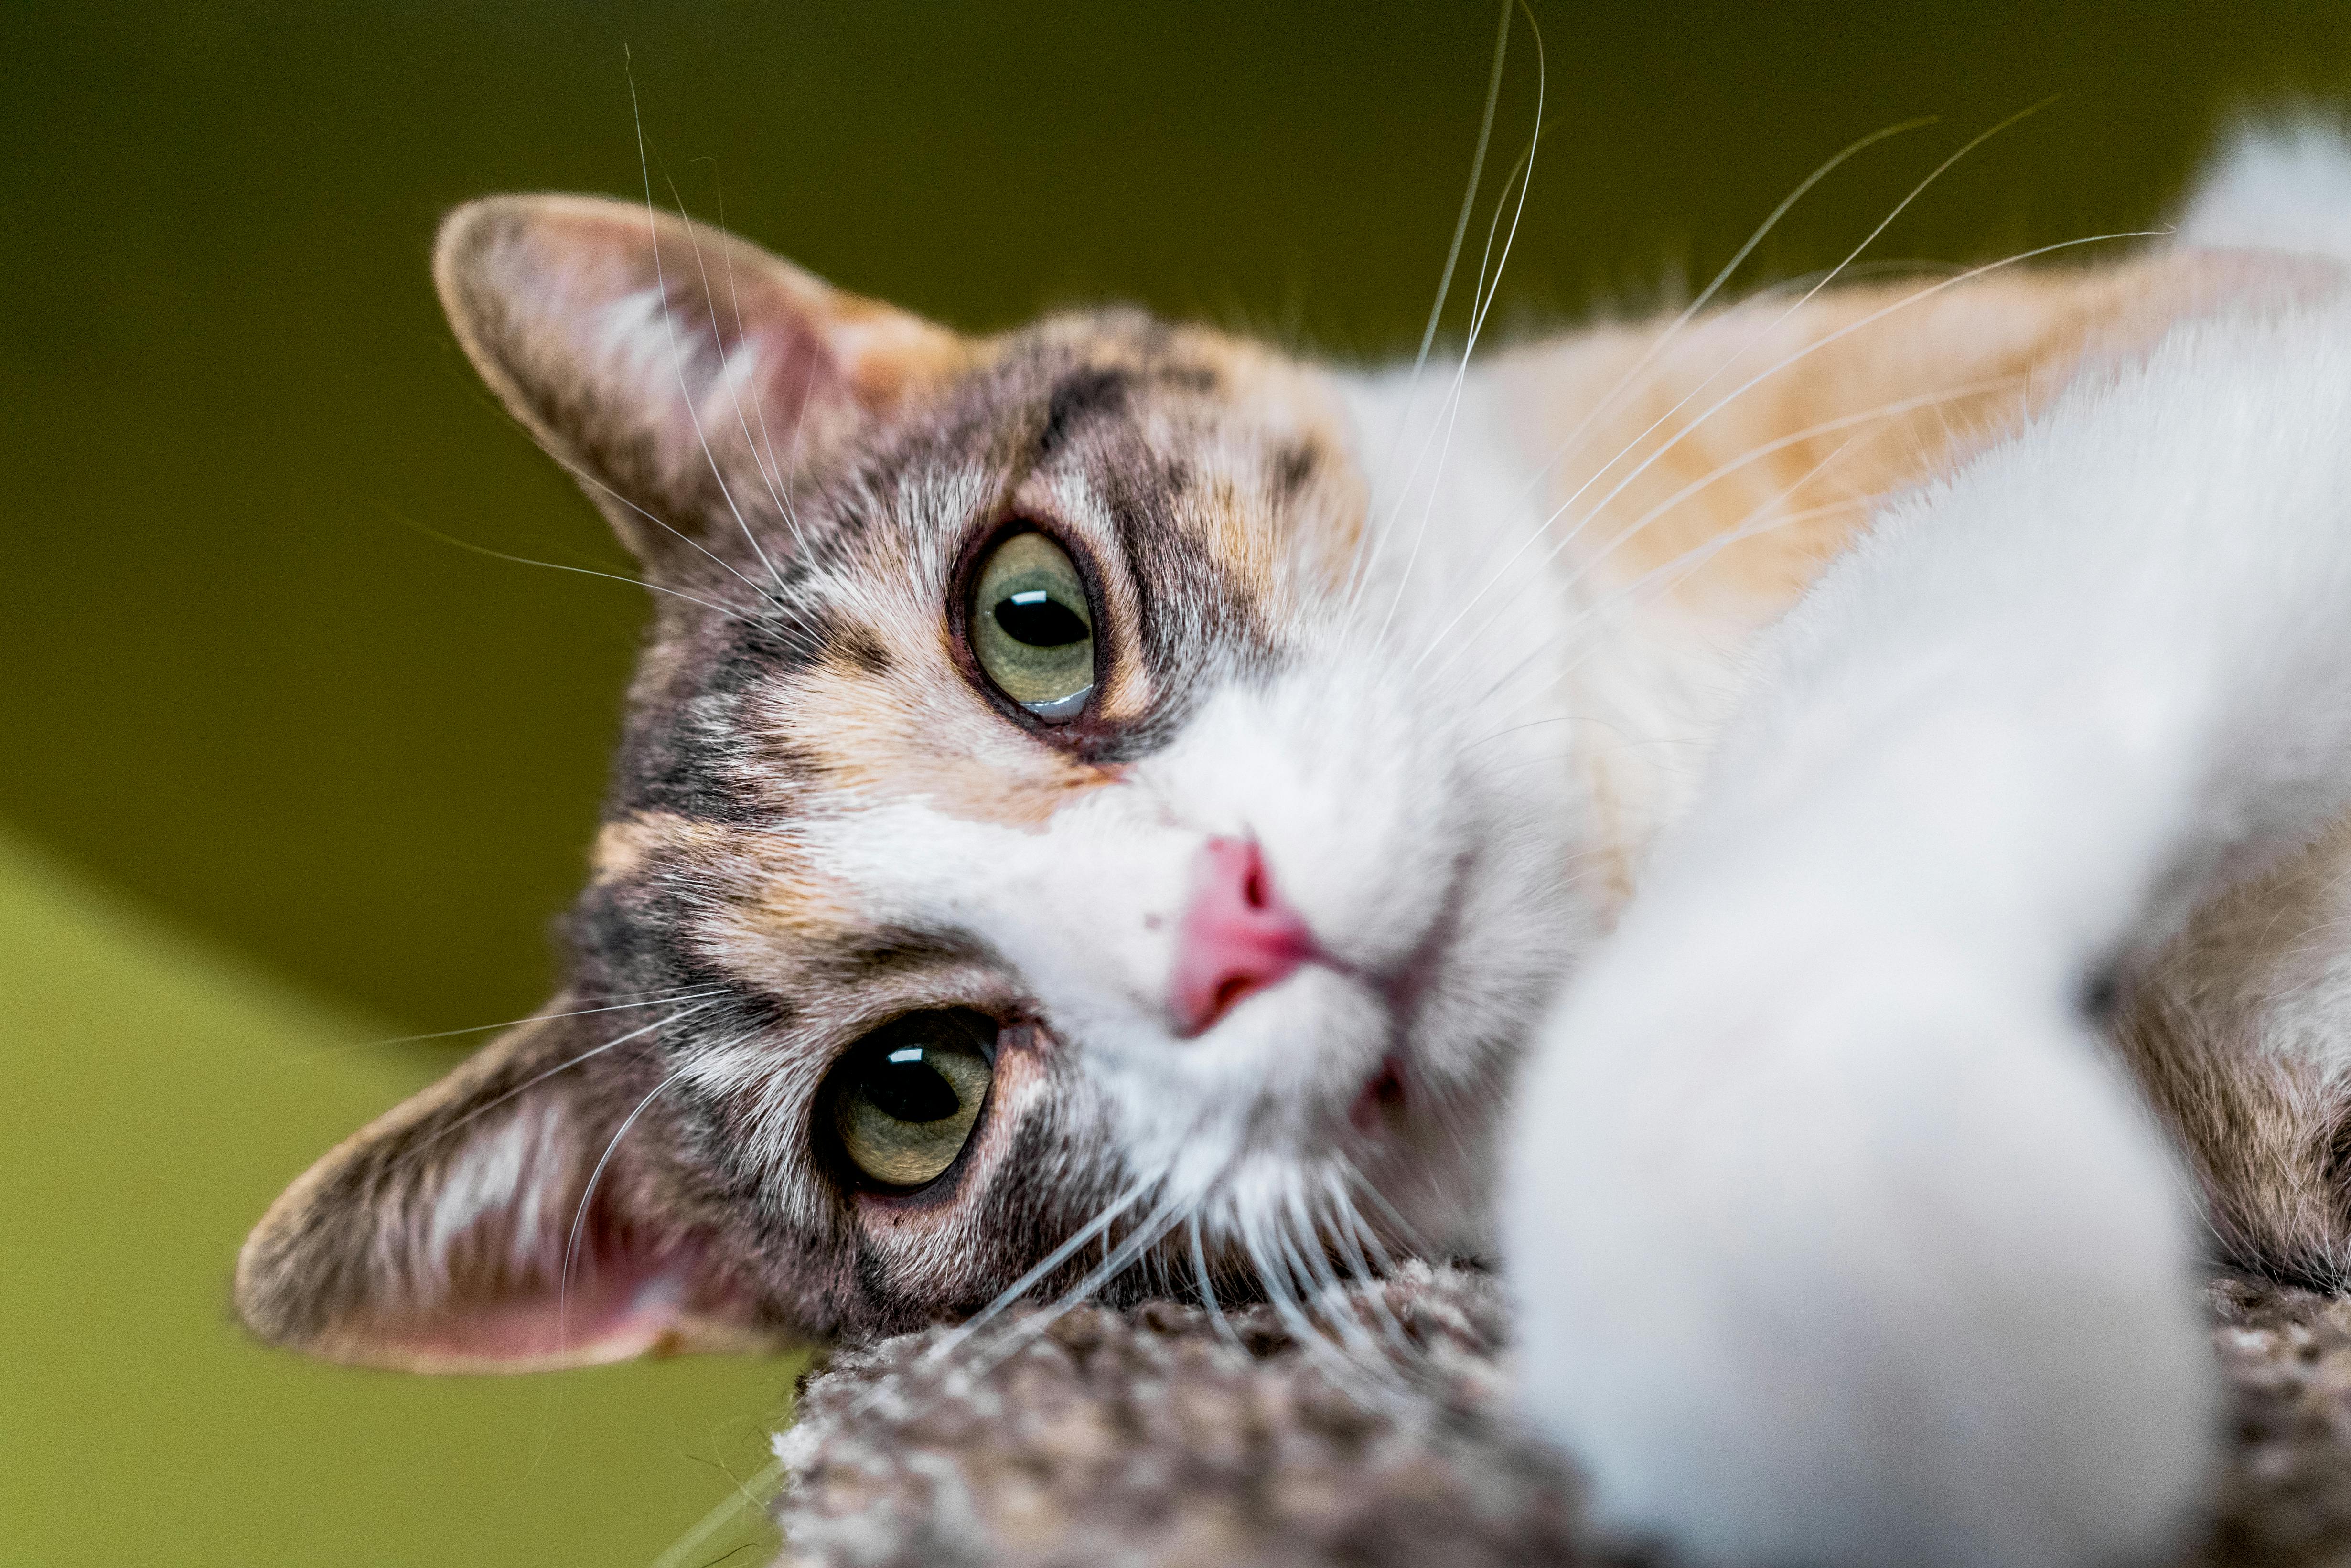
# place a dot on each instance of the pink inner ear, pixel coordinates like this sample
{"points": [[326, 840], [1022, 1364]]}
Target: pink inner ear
{"points": [[627, 1307]]}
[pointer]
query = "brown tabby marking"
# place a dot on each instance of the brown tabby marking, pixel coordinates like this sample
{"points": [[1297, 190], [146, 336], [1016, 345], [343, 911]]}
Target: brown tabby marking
{"points": [[2236, 1033], [1937, 376]]}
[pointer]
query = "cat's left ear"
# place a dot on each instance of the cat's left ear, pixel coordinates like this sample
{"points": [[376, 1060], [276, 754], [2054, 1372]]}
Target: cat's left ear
{"points": [[506, 1218], [670, 366]]}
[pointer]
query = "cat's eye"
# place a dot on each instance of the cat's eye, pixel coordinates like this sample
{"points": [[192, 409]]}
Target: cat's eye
{"points": [[1032, 627], [907, 1097]]}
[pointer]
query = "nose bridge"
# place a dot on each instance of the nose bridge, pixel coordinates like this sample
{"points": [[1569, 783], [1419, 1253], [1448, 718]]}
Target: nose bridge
{"points": [[1238, 936]]}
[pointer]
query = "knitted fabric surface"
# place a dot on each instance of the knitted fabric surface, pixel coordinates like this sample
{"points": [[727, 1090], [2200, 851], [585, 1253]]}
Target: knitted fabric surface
{"points": [[1161, 1437]]}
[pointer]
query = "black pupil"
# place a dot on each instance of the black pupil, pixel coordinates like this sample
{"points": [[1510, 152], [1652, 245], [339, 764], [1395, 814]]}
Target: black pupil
{"points": [[1031, 617], [906, 1088]]}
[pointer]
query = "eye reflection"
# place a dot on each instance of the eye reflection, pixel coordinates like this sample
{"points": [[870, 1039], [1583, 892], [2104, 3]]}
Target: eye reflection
{"points": [[906, 1097], [1032, 627]]}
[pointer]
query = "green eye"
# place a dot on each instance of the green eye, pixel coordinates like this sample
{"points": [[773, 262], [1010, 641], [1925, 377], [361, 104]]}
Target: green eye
{"points": [[909, 1093], [1032, 627]]}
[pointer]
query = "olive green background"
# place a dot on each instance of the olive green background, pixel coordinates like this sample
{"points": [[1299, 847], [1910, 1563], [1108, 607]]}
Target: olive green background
{"points": [[281, 774]]}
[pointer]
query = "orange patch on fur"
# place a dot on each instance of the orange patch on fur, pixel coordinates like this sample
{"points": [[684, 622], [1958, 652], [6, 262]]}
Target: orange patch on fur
{"points": [[1743, 454], [623, 848], [921, 732]]}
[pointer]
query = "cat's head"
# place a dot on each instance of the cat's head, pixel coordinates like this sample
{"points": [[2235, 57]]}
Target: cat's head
{"points": [[1019, 817]]}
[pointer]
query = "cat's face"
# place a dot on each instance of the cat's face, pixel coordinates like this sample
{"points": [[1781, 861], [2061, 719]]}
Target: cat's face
{"points": [[1020, 816]]}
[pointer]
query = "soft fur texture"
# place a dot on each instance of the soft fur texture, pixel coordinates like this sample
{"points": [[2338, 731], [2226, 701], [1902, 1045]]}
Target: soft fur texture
{"points": [[2050, 706], [1714, 787]]}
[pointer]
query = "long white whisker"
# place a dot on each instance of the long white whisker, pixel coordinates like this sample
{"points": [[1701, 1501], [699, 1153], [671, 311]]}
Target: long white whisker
{"points": [[1833, 274], [1281, 1287], [1347, 1232], [669, 325], [656, 999], [1405, 1230], [1148, 1234], [1051, 1260], [962, 1333], [1690, 428], [587, 1195], [1591, 620], [1610, 400], [772, 471], [593, 483], [729, 611], [1445, 282], [1479, 308], [538, 1078], [1217, 1319], [1469, 196], [791, 614], [1715, 475], [1302, 1241], [1738, 353], [1670, 575], [734, 382], [1281, 1265]]}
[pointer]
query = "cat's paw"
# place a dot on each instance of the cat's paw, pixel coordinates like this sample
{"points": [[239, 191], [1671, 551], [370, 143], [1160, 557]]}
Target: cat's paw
{"points": [[1853, 1254]]}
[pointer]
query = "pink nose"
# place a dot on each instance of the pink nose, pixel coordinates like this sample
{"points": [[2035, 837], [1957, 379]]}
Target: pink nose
{"points": [[1238, 937]]}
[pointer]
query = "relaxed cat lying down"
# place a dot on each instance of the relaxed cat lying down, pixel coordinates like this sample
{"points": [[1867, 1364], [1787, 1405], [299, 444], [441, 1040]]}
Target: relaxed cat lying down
{"points": [[1111, 808]]}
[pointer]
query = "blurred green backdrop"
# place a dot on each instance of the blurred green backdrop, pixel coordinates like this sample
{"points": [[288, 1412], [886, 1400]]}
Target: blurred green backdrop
{"points": [[333, 776]]}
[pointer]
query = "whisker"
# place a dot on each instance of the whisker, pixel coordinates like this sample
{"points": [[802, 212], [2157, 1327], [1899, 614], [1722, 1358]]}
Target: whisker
{"points": [[793, 615], [1479, 309], [1350, 1242], [1053, 1260], [538, 1078], [1405, 1230], [759, 404], [669, 325], [648, 585], [652, 999], [963, 1334], [1302, 1239], [1825, 279], [734, 382], [1018, 1332], [1610, 400], [1784, 364], [1281, 1287], [1217, 1319], [587, 1195], [1366, 1377], [1469, 196], [1720, 472], [1833, 274], [1590, 622], [1445, 281]]}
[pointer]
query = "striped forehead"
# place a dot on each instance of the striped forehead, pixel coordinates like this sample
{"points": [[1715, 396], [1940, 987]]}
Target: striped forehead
{"points": [[1202, 479], [771, 915]]}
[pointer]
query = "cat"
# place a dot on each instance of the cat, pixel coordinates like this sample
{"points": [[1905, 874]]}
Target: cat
{"points": [[1116, 808]]}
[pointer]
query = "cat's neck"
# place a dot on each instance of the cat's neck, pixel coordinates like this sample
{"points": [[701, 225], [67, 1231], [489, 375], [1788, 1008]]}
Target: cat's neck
{"points": [[1622, 508], [1595, 690]]}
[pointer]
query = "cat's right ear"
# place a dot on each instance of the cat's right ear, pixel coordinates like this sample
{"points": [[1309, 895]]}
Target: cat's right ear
{"points": [[670, 366], [510, 1217]]}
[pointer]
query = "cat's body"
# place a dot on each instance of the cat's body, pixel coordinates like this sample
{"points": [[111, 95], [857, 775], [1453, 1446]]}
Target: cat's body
{"points": [[1370, 708]]}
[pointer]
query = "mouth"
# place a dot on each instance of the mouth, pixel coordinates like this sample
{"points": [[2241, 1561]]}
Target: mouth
{"points": [[1381, 1103], [1386, 1098]]}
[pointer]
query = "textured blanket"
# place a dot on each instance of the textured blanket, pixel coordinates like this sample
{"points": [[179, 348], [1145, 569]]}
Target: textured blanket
{"points": [[1163, 1436]]}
